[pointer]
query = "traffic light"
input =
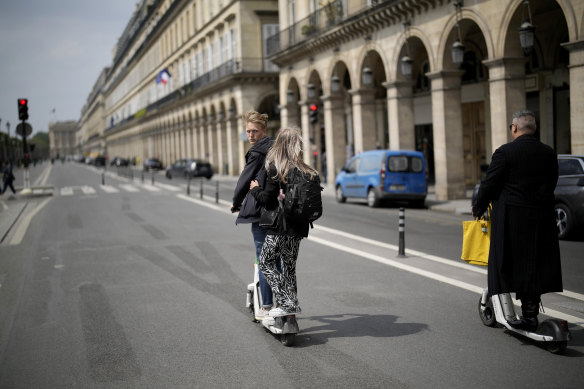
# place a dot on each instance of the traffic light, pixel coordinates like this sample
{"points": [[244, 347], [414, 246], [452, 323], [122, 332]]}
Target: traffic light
{"points": [[22, 109], [313, 114]]}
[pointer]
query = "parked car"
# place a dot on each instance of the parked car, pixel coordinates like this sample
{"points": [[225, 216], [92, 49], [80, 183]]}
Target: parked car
{"points": [[379, 175], [119, 162], [152, 163], [189, 167], [569, 194], [100, 160]]}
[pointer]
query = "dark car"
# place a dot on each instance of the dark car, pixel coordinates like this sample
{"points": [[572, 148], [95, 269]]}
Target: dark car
{"points": [[153, 163], [119, 162], [570, 194], [99, 160], [190, 167]]}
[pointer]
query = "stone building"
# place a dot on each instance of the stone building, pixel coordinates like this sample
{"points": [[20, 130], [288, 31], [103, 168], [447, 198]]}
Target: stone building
{"points": [[183, 73], [439, 76], [90, 139], [62, 138]]}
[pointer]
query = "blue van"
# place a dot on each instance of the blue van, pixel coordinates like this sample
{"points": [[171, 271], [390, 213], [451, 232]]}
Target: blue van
{"points": [[379, 175]]}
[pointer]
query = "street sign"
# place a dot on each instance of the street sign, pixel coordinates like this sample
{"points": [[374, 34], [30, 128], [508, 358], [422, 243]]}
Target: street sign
{"points": [[27, 127]]}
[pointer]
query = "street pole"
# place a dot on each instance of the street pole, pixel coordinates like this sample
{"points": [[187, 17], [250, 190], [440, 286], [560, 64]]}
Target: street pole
{"points": [[26, 189]]}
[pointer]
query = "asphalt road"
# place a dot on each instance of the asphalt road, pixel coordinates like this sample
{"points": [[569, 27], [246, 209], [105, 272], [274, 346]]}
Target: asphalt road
{"points": [[136, 286]]}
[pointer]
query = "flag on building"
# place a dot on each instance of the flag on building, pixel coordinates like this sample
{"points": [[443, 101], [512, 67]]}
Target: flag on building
{"points": [[163, 76]]}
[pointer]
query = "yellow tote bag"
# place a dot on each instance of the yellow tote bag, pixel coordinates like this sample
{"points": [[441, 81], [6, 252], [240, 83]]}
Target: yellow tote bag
{"points": [[476, 237]]}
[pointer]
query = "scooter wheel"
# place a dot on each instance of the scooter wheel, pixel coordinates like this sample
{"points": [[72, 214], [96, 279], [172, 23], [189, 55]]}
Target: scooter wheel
{"points": [[288, 339], [550, 328], [487, 313], [557, 347]]}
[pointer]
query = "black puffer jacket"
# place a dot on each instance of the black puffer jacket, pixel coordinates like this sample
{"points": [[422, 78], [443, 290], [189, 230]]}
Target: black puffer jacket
{"points": [[268, 196], [253, 170]]}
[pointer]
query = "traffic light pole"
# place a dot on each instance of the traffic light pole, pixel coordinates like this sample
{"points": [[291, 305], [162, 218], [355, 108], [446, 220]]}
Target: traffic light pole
{"points": [[26, 187]]}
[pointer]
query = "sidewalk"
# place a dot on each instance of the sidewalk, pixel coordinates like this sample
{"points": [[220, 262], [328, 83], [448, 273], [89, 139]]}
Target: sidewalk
{"points": [[12, 206]]}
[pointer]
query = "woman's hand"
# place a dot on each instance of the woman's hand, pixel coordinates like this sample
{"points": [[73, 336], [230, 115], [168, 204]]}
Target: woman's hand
{"points": [[253, 184]]}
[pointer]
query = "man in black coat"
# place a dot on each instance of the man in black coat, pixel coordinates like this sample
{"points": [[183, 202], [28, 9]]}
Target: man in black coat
{"points": [[524, 254], [243, 202]]}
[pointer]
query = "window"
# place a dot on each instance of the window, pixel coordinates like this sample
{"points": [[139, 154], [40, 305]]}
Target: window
{"points": [[569, 167], [267, 31], [353, 166]]}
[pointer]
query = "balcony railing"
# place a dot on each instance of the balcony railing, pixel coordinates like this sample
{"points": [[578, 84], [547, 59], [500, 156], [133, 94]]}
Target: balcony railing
{"points": [[228, 68], [321, 20]]}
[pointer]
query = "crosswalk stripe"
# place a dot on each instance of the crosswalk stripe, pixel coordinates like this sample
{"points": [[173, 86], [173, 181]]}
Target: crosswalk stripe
{"points": [[150, 188], [172, 188], [66, 191], [109, 189], [129, 188], [87, 190]]}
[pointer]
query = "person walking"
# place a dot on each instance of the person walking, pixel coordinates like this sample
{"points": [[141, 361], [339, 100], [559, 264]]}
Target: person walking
{"points": [[524, 254], [282, 241], [249, 211], [7, 177]]}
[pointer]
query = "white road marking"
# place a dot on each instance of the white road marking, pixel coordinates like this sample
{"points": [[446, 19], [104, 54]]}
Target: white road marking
{"points": [[24, 223], [87, 190], [66, 191], [129, 188], [171, 188], [149, 187], [109, 189]]}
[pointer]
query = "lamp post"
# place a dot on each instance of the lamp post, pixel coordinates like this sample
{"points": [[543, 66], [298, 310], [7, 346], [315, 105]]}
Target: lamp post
{"points": [[367, 76], [526, 30], [457, 47], [406, 62], [9, 148]]}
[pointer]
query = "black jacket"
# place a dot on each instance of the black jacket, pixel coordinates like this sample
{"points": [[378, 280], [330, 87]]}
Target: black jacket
{"points": [[253, 170], [268, 196], [524, 254]]}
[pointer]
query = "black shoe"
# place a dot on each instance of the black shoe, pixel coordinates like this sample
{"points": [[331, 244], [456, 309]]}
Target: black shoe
{"points": [[526, 323]]}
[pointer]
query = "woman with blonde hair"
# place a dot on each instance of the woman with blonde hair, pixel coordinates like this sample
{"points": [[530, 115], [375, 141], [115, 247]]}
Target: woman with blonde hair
{"points": [[283, 240]]}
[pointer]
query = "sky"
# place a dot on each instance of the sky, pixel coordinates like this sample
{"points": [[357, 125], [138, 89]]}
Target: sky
{"points": [[51, 53]]}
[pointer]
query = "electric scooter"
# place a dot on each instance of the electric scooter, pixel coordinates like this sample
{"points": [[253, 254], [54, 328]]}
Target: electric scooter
{"points": [[285, 327], [499, 309]]}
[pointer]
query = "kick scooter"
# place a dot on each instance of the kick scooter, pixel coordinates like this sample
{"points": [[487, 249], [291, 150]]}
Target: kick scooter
{"points": [[285, 327], [498, 309]]}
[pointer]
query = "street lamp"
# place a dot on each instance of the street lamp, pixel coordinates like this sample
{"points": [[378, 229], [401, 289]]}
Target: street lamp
{"points": [[406, 62], [335, 83], [367, 76], [526, 30], [289, 96], [310, 91], [457, 47]]}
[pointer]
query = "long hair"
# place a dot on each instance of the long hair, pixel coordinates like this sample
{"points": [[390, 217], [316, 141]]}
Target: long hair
{"points": [[287, 153]]}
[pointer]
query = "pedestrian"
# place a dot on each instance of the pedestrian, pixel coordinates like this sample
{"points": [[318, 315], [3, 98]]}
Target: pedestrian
{"points": [[7, 177], [282, 241], [524, 254], [249, 211]]}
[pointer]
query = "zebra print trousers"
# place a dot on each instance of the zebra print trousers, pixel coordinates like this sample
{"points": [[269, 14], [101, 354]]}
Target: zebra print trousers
{"points": [[283, 283]]}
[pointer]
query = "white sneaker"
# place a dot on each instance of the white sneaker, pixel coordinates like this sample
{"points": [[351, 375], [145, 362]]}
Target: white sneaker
{"points": [[282, 312], [261, 313]]}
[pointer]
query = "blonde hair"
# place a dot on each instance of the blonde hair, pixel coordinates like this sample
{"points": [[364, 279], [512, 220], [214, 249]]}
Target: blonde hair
{"points": [[255, 117], [287, 153]]}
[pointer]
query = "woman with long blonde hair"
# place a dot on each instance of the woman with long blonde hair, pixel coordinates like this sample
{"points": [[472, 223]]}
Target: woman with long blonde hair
{"points": [[283, 239]]}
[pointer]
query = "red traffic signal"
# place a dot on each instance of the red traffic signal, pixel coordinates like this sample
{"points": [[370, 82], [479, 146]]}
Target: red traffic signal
{"points": [[22, 109], [313, 107], [313, 114]]}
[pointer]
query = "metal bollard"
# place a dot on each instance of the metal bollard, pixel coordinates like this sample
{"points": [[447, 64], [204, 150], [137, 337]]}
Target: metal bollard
{"points": [[201, 191], [132, 174], [103, 178], [216, 192], [152, 177], [402, 243], [142, 176], [189, 185]]}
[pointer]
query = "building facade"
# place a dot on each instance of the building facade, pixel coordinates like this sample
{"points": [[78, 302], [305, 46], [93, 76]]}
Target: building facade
{"points": [[439, 76], [183, 73], [62, 138]]}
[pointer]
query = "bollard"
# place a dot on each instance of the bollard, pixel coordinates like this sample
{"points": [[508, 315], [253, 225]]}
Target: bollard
{"points": [[152, 177], [132, 174], [142, 176], [103, 178], [189, 185], [201, 190], [402, 244], [216, 192]]}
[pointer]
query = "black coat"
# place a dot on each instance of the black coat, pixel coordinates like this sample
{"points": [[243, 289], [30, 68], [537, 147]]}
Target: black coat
{"points": [[524, 253], [268, 196], [253, 170]]}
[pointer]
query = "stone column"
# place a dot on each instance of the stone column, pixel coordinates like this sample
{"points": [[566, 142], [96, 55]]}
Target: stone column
{"points": [[576, 95], [400, 113], [335, 135], [364, 128], [240, 143], [232, 148], [507, 95], [202, 145], [222, 145], [306, 132], [447, 128]]}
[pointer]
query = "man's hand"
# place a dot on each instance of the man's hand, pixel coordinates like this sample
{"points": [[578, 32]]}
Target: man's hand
{"points": [[253, 184], [235, 209]]}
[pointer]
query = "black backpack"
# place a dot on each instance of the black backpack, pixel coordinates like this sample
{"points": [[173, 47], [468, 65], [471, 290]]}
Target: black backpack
{"points": [[302, 200]]}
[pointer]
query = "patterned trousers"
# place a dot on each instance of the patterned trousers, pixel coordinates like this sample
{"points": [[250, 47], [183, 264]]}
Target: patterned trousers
{"points": [[283, 283]]}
